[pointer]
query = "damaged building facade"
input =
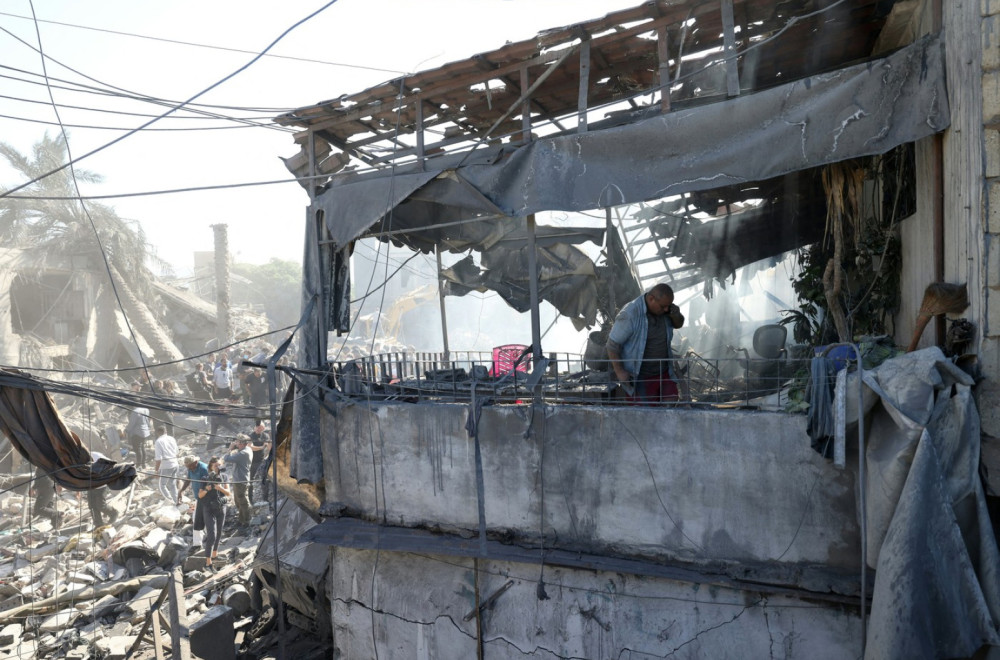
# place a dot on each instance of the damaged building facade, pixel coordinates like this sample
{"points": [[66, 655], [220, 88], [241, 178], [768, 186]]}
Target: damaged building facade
{"points": [[507, 518]]}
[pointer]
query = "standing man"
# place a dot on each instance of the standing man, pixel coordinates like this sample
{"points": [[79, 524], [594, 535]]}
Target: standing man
{"points": [[222, 379], [241, 456], [639, 346], [44, 490], [165, 455], [260, 446], [198, 383], [137, 431], [97, 499], [197, 473], [256, 383]]}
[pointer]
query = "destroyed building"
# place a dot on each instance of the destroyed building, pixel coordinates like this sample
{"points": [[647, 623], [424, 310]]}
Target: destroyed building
{"points": [[504, 505], [74, 585]]}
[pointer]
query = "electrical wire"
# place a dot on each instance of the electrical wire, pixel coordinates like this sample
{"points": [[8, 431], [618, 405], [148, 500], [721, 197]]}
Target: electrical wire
{"points": [[152, 365], [171, 110], [124, 113], [80, 88], [169, 191], [178, 129], [210, 46], [139, 97]]}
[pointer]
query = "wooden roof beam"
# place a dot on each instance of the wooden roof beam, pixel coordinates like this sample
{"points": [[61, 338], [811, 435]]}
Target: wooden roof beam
{"points": [[454, 83]]}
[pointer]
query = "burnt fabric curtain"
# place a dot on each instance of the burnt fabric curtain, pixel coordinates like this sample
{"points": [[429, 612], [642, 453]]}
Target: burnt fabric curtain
{"points": [[31, 422]]}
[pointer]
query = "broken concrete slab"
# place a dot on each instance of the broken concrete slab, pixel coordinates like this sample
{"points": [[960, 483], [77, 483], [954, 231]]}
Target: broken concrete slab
{"points": [[115, 648], [155, 536], [101, 607], [195, 562], [10, 635], [59, 621], [42, 551], [79, 577]]}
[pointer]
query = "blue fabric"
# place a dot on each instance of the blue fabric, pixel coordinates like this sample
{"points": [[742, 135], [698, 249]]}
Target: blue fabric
{"points": [[629, 332], [197, 476], [819, 394]]}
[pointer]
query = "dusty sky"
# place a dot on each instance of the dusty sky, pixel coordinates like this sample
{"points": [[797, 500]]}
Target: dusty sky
{"points": [[130, 47]]}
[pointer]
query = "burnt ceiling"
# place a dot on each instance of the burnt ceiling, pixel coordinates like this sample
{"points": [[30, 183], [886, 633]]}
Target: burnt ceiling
{"points": [[700, 50]]}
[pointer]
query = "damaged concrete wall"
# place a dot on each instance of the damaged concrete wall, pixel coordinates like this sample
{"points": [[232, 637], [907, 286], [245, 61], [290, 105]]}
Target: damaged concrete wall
{"points": [[685, 484], [419, 606]]}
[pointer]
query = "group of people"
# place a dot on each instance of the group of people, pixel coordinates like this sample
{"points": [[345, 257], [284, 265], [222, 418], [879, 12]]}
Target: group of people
{"points": [[247, 456], [225, 377]]}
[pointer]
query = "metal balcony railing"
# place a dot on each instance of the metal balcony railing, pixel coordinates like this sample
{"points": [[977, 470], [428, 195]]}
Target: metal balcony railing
{"points": [[565, 378]]}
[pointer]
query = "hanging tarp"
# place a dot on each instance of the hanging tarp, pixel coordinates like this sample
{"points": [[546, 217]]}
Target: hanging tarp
{"points": [[858, 111], [30, 421], [937, 585]]}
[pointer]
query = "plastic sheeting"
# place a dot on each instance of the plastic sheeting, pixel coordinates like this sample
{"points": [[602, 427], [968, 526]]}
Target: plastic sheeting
{"points": [[937, 589], [857, 111], [30, 421]]}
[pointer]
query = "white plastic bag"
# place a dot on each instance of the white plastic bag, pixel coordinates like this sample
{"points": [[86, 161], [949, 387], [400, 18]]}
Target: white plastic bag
{"points": [[196, 538]]}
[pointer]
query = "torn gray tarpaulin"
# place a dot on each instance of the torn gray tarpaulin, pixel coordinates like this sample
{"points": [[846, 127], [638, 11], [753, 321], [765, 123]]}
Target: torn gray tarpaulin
{"points": [[566, 278], [31, 422], [937, 584], [860, 110]]}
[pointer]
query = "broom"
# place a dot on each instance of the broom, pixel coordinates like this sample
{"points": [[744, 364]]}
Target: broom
{"points": [[939, 298]]}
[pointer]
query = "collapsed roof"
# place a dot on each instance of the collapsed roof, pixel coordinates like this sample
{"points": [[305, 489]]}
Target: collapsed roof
{"points": [[663, 99]]}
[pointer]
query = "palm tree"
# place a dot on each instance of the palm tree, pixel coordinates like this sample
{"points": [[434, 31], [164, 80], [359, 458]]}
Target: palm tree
{"points": [[56, 222], [51, 227]]}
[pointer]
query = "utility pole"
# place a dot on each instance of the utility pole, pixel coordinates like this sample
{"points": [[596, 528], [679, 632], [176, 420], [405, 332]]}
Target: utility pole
{"points": [[223, 327]]}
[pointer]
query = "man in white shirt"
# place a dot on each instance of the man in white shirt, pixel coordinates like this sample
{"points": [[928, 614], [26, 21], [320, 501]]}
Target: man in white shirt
{"points": [[165, 455], [222, 380]]}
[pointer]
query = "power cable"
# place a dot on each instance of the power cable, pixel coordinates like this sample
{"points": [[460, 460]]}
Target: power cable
{"points": [[125, 113], [122, 128], [134, 95], [174, 109], [160, 364], [210, 46], [80, 88], [150, 193]]}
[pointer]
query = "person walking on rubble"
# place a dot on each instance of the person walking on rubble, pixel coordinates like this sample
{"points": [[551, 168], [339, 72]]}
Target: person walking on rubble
{"points": [[97, 499], [165, 455], [44, 490], [241, 456], [639, 346], [137, 432], [197, 472], [212, 497]]}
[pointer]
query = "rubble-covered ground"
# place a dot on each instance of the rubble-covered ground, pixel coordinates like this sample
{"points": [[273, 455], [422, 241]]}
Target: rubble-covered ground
{"points": [[80, 592]]}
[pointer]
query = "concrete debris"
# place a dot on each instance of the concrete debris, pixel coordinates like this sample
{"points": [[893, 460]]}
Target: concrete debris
{"points": [[86, 592], [213, 635]]}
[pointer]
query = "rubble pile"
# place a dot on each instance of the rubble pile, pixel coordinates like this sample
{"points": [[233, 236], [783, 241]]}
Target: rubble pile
{"points": [[83, 592]]}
